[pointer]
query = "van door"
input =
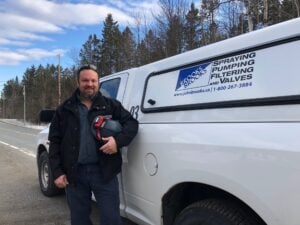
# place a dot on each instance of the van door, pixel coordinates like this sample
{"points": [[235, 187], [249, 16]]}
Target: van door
{"points": [[114, 87]]}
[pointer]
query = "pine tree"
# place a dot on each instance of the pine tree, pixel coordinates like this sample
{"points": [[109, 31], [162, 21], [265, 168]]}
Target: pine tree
{"points": [[127, 49], [175, 38], [51, 86], [90, 51], [142, 55], [191, 29], [170, 23], [68, 82], [210, 26], [111, 41], [12, 99], [290, 9], [150, 49], [273, 15]]}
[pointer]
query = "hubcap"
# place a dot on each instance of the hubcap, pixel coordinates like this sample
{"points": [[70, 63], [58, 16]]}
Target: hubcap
{"points": [[45, 174]]}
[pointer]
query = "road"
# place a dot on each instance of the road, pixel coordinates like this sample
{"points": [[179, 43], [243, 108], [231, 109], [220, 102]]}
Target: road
{"points": [[21, 201], [20, 137]]}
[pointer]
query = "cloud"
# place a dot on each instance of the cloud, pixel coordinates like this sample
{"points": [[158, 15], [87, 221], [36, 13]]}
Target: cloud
{"points": [[27, 19], [36, 53], [66, 14], [4, 41], [21, 35], [9, 57], [136, 7], [25, 23]]}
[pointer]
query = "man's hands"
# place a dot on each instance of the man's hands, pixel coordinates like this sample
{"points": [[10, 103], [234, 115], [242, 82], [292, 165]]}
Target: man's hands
{"points": [[61, 181], [110, 146]]}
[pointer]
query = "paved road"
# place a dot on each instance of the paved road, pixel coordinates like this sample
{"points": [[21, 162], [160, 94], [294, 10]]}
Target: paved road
{"points": [[20, 197], [18, 136], [21, 202]]}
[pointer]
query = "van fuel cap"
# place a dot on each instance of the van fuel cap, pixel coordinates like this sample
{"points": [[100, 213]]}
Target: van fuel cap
{"points": [[150, 164]]}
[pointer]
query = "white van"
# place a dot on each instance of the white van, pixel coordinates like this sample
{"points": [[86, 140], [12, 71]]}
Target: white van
{"points": [[219, 137]]}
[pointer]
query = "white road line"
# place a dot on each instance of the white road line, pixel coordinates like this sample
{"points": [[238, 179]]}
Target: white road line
{"points": [[18, 132], [25, 151]]}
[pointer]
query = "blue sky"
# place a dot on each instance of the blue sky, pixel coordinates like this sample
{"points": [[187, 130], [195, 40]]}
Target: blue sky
{"points": [[34, 32]]}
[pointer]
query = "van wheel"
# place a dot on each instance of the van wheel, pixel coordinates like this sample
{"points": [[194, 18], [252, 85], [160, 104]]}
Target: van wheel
{"points": [[47, 185], [213, 212]]}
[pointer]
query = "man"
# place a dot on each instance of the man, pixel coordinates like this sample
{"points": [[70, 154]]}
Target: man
{"points": [[79, 162]]}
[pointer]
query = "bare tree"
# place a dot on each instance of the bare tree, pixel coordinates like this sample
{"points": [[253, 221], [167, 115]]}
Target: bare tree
{"points": [[74, 56], [297, 5], [232, 18], [266, 10], [250, 12], [170, 23]]}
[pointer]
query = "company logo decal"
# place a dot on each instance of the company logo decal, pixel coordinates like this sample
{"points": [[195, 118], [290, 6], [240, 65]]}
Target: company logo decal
{"points": [[224, 74], [189, 77]]}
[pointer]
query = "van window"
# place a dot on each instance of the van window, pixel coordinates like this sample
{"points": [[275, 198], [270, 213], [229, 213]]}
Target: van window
{"points": [[109, 88], [263, 75]]}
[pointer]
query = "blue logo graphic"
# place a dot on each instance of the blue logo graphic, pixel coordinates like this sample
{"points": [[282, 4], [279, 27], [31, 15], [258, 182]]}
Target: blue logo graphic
{"points": [[190, 75]]}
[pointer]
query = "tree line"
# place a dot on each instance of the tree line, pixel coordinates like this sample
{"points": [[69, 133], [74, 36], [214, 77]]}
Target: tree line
{"points": [[177, 27]]}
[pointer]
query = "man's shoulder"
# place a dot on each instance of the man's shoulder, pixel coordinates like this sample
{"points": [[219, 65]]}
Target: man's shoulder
{"points": [[111, 100], [108, 100], [71, 101], [67, 105]]}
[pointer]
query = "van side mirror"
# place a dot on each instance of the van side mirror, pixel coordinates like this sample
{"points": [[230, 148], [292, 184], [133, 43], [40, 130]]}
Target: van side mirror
{"points": [[46, 115]]}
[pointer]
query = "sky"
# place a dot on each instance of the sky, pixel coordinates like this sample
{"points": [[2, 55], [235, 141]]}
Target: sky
{"points": [[34, 32]]}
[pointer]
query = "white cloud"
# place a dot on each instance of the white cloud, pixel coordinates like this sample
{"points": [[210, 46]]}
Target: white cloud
{"points": [[27, 19], [9, 57], [4, 41], [134, 7], [21, 35], [20, 22], [36, 53], [66, 14], [25, 22]]}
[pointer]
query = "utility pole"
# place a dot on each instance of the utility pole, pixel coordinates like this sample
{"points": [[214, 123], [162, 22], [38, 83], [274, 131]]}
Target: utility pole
{"points": [[2, 99], [59, 83], [24, 94], [3, 102]]}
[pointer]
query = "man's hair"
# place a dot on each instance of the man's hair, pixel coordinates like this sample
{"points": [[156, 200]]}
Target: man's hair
{"points": [[86, 67]]}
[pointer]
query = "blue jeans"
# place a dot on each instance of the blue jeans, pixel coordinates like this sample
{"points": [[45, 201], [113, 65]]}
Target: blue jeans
{"points": [[89, 180]]}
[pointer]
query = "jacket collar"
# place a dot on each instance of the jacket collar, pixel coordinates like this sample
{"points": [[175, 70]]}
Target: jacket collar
{"points": [[98, 101]]}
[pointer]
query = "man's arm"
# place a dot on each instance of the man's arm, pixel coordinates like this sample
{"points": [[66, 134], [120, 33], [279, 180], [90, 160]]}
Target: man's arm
{"points": [[129, 125], [55, 137]]}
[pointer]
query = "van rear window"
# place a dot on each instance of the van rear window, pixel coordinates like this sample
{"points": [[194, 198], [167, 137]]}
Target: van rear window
{"points": [[109, 88], [263, 75]]}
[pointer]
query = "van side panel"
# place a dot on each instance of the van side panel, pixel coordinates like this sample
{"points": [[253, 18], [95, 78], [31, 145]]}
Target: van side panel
{"points": [[246, 160], [250, 151]]}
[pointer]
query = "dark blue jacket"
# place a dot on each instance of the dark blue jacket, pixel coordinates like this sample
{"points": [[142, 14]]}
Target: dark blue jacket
{"points": [[64, 136]]}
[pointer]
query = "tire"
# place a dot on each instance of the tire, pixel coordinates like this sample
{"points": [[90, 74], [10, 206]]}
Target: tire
{"points": [[214, 212], [46, 181]]}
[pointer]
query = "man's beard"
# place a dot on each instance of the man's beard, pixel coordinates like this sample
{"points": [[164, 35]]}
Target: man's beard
{"points": [[86, 96]]}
